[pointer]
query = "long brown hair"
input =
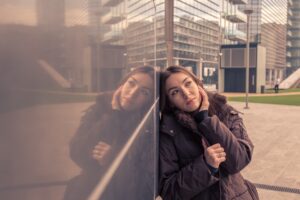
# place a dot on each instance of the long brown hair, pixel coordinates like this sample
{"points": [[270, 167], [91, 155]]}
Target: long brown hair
{"points": [[216, 100], [152, 73], [149, 70]]}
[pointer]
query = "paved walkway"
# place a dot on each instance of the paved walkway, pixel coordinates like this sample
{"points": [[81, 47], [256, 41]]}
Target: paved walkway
{"points": [[274, 130], [228, 94], [34, 148]]}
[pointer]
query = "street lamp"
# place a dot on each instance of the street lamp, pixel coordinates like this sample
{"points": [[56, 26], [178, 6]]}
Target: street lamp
{"points": [[248, 12], [220, 89], [200, 68]]}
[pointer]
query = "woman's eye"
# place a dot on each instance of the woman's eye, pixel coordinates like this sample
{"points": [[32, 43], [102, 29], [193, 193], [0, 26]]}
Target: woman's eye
{"points": [[174, 92], [131, 83], [145, 92], [188, 83]]}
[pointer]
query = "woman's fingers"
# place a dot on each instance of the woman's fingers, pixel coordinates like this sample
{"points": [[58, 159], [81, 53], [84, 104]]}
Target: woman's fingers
{"points": [[102, 146], [215, 155], [220, 155], [205, 102], [97, 157], [100, 150], [218, 150], [222, 160], [214, 146]]}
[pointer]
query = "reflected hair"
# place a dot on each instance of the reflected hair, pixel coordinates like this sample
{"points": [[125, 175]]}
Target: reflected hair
{"points": [[149, 70]]}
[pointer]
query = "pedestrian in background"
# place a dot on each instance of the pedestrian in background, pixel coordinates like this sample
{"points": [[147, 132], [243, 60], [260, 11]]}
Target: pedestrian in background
{"points": [[276, 86]]}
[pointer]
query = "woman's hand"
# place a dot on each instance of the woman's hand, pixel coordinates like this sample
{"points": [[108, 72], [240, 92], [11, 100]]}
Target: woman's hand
{"points": [[215, 155], [100, 152], [115, 99], [204, 97]]}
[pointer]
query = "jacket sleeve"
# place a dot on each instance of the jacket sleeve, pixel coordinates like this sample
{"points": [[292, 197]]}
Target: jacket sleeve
{"points": [[83, 141], [181, 183], [234, 140]]}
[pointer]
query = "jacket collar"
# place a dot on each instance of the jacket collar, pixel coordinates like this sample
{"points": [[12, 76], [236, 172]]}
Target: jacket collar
{"points": [[169, 125]]}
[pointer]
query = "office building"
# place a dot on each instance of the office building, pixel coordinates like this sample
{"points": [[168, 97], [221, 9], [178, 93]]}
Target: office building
{"points": [[293, 36], [268, 28]]}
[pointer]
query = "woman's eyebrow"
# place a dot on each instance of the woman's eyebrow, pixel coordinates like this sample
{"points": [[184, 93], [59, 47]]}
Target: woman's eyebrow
{"points": [[146, 88], [139, 84], [184, 80], [171, 89], [133, 79]]}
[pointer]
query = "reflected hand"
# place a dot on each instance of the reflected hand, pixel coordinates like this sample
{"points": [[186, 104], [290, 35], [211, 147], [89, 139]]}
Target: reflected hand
{"points": [[115, 98], [205, 102], [215, 155], [100, 152]]}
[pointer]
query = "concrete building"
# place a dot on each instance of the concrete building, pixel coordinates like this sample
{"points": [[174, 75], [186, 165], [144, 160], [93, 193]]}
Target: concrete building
{"points": [[234, 72]]}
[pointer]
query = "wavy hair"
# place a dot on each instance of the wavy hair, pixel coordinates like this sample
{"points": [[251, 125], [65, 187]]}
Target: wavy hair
{"points": [[216, 100]]}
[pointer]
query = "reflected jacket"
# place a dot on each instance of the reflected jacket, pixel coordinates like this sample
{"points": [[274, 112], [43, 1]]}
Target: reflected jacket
{"points": [[114, 127], [184, 173]]}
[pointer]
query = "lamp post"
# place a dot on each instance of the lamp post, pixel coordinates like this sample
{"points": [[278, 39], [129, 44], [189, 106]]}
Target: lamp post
{"points": [[200, 68], [248, 12], [220, 89]]}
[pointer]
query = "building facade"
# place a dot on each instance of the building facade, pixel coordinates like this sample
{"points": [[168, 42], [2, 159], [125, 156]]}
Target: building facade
{"points": [[107, 24], [293, 36], [232, 17], [268, 27], [175, 32]]}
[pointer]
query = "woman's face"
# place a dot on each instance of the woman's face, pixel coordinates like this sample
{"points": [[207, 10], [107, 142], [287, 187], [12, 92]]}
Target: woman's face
{"points": [[183, 92], [136, 92]]}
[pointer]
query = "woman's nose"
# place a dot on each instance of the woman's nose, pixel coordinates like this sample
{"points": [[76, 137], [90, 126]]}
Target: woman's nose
{"points": [[133, 91], [185, 92]]}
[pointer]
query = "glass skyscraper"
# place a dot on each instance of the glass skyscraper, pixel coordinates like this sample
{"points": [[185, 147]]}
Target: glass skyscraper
{"points": [[232, 17], [268, 27], [144, 43], [293, 36], [186, 31]]}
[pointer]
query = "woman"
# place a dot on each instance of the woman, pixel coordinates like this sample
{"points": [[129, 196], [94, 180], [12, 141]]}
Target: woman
{"points": [[106, 127], [203, 142]]}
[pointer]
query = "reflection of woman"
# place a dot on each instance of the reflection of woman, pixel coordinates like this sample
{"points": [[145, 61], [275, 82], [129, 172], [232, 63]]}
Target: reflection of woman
{"points": [[106, 127], [203, 142]]}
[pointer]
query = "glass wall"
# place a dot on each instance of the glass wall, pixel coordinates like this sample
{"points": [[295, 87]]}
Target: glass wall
{"points": [[70, 127]]}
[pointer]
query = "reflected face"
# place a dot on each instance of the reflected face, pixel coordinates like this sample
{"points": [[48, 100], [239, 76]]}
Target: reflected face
{"points": [[136, 92], [183, 92]]}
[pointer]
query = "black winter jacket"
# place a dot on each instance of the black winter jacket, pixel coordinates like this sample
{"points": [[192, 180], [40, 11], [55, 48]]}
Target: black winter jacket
{"points": [[184, 173]]}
